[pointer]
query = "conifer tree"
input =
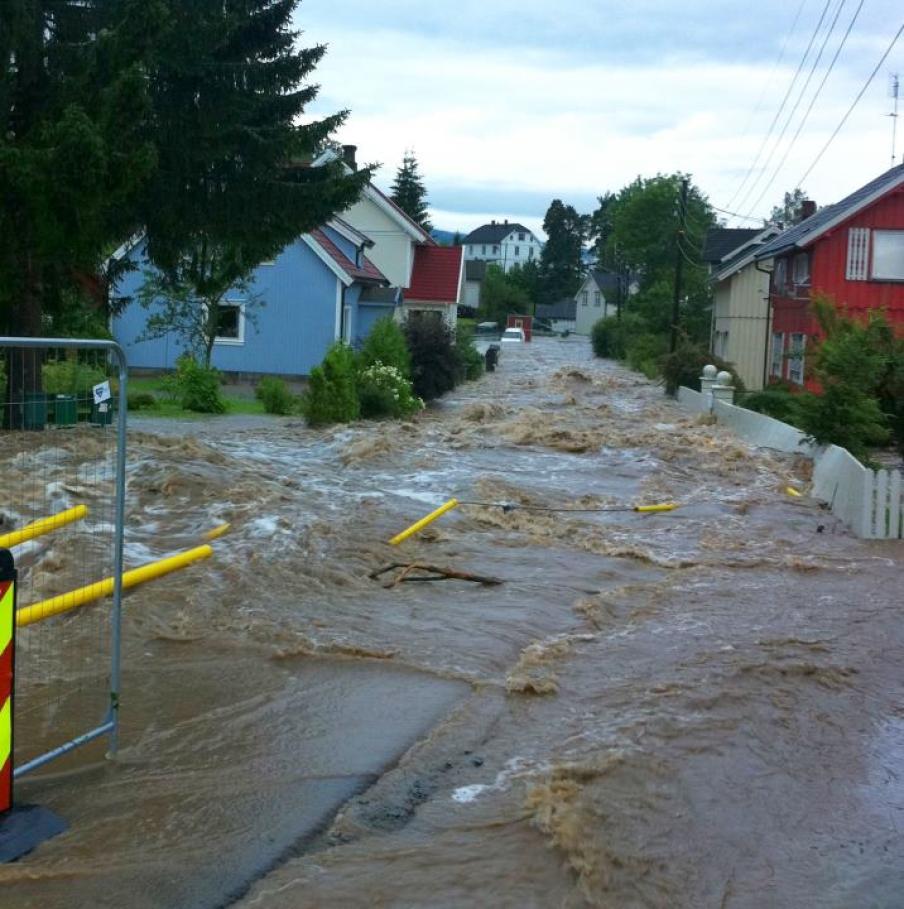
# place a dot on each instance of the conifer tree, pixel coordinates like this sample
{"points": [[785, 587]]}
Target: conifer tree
{"points": [[561, 265], [409, 193]]}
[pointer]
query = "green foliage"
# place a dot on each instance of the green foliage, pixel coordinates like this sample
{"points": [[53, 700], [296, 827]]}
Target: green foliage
{"points": [[409, 193], [850, 364], [685, 366], [141, 400], [776, 402], [386, 344], [500, 295], [435, 365], [789, 212], [561, 263], [384, 391], [195, 387], [274, 394], [63, 377], [332, 395], [607, 338], [470, 362], [645, 352]]}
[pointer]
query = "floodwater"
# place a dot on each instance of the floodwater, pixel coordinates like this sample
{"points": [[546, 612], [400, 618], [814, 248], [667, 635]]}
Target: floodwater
{"points": [[703, 708]]}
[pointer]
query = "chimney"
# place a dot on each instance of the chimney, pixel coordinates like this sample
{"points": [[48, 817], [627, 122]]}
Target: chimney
{"points": [[493, 223], [348, 155], [807, 209]]}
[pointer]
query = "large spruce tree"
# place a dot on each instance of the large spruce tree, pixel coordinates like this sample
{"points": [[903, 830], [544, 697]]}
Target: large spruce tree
{"points": [[561, 266], [409, 193]]}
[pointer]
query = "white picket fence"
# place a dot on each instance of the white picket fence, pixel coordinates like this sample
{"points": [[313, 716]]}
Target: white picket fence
{"points": [[870, 502]]}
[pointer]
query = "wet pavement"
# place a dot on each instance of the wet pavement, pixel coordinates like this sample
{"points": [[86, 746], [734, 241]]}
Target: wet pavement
{"points": [[699, 708]]}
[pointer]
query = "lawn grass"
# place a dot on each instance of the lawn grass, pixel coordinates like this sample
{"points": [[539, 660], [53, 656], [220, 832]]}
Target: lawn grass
{"points": [[239, 400]]}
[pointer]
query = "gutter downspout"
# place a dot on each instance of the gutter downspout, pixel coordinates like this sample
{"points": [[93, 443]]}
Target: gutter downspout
{"points": [[768, 332]]}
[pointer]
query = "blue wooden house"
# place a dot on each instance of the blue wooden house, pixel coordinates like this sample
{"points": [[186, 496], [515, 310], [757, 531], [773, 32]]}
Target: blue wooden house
{"points": [[319, 289]]}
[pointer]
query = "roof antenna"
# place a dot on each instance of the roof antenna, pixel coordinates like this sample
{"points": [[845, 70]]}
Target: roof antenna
{"points": [[894, 91]]}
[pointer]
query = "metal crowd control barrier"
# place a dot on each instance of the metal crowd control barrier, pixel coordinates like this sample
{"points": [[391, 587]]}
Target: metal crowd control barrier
{"points": [[62, 507]]}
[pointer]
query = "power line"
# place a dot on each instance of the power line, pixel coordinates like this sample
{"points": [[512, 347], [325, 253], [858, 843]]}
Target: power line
{"points": [[850, 110], [734, 214], [800, 97], [813, 101], [781, 106]]}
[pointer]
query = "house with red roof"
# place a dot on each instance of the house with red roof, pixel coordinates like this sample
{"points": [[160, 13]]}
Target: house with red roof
{"points": [[853, 251]]}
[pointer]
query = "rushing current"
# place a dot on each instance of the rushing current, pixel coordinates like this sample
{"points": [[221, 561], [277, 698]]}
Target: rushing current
{"points": [[701, 708]]}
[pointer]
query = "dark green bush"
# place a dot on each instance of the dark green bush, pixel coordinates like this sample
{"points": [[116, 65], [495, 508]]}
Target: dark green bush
{"points": [[645, 352], [62, 377], [685, 366], [384, 392], [386, 344], [435, 365], [332, 394], [139, 400], [607, 338], [776, 402], [470, 361], [195, 387], [274, 394]]}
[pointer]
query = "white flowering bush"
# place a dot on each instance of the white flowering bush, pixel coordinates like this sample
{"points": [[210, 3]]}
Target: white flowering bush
{"points": [[385, 392]]}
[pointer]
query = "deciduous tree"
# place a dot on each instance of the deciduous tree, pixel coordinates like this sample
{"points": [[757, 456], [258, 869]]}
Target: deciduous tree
{"points": [[561, 263]]}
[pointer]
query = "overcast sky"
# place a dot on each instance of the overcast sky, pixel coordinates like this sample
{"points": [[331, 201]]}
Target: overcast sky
{"points": [[508, 104]]}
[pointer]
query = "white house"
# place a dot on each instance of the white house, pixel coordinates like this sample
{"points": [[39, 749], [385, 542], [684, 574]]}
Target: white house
{"points": [[597, 298], [502, 244]]}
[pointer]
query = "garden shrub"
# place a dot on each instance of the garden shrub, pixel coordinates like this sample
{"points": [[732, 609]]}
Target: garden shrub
{"points": [[470, 361], [61, 377], [645, 352], [776, 401], [384, 392], [607, 338], [195, 387], [386, 344], [332, 394], [274, 394], [685, 366], [435, 365], [139, 400]]}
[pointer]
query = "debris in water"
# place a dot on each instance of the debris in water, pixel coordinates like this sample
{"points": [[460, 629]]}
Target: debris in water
{"points": [[431, 573]]}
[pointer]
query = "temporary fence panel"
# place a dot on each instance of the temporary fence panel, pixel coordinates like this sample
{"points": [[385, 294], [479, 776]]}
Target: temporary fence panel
{"points": [[62, 500]]}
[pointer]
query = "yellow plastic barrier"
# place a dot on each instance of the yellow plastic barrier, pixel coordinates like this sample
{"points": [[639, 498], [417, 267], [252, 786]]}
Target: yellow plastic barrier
{"points": [[415, 528], [793, 492], [649, 509], [218, 532], [65, 602], [43, 526]]}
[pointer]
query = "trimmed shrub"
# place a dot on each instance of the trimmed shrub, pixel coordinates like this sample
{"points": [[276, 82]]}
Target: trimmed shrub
{"points": [[195, 387], [332, 394], [470, 361], [63, 377], [386, 345], [384, 392], [607, 338], [139, 400], [776, 401], [435, 366], [274, 394], [685, 366]]}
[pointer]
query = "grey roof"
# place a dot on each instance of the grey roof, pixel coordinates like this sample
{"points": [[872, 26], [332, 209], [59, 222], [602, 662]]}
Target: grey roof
{"points": [[493, 233], [606, 281], [564, 310], [387, 296], [803, 233], [475, 270], [722, 241]]}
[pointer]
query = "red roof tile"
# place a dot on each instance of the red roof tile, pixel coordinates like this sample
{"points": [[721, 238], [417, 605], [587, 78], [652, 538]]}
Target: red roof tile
{"points": [[436, 274], [365, 272]]}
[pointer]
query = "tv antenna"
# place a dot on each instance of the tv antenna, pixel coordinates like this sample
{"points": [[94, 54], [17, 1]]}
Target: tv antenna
{"points": [[894, 91]]}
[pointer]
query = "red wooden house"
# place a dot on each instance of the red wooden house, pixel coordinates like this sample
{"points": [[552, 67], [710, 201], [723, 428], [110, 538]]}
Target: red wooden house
{"points": [[853, 251]]}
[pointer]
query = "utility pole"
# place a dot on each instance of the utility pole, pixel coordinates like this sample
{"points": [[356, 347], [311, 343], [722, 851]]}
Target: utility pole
{"points": [[895, 91], [679, 264]]}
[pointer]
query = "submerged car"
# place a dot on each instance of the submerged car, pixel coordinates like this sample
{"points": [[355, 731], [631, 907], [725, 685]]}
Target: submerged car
{"points": [[513, 336]]}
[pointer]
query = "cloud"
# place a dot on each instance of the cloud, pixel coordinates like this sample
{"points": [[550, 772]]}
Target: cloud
{"points": [[503, 120]]}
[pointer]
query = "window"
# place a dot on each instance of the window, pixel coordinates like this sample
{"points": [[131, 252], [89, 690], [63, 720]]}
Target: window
{"points": [[780, 277], [495, 250], [778, 355], [585, 298], [517, 250], [530, 253], [858, 254], [521, 237], [796, 358], [888, 255], [483, 250], [347, 324], [230, 324], [801, 266], [597, 298]]}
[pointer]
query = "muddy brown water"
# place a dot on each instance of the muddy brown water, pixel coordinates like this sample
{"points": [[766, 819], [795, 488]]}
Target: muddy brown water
{"points": [[701, 708]]}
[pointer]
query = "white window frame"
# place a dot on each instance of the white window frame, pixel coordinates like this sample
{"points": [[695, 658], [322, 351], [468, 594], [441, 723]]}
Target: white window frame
{"points": [[517, 251], [797, 357], [879, 235], [347, 324], [777, 365], [780, 277], [240, 340], [585, 298], [597, 298], [801, 259], [857, 268]]}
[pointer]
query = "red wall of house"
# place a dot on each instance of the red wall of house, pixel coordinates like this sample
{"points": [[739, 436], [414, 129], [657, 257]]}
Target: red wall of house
{"points": [[828, 268]]}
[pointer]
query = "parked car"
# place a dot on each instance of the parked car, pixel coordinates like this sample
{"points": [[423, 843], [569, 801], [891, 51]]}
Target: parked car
{"points": [[513, 336]]}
